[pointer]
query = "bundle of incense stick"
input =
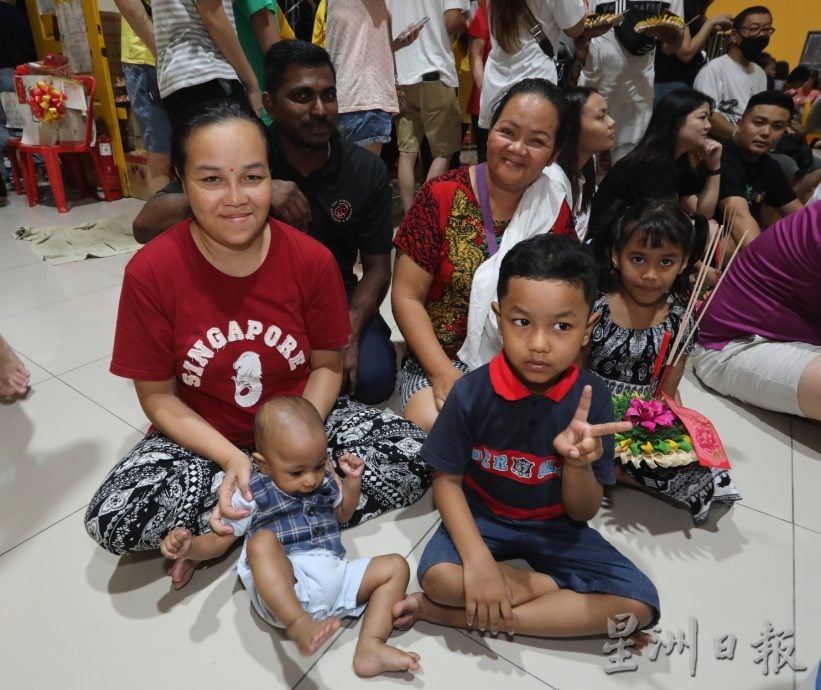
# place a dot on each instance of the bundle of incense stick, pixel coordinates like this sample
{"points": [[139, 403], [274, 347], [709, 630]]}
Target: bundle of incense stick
{"points": [[676, 351]]}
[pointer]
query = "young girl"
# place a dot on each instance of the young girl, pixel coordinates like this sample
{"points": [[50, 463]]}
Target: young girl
{"points": [[645, 294]]}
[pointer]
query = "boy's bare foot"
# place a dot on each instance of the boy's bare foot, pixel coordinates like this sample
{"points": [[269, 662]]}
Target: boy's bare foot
{"points": [[176, 544], [373, 657], [14, 377], [309, 634], [641, 639], [406, 612]]}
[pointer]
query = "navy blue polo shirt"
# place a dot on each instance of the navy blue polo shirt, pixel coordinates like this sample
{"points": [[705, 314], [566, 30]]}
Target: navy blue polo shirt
{"points": [[350, 200], [499, 435]]}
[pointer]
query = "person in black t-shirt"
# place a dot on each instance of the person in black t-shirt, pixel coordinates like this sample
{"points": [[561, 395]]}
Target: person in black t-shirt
{"points": [[661, 167], [751, 178]]}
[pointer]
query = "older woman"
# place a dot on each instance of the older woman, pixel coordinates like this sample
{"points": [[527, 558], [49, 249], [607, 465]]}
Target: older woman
{"points": [[217, 315], [444, 238]]}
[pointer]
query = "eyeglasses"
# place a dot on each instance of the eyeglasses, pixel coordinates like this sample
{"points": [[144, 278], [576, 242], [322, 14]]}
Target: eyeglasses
{"points": [[756, 30]]}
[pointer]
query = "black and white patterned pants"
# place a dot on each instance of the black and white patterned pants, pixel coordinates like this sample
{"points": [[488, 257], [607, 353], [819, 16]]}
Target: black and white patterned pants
{"points": [[159, 485]]}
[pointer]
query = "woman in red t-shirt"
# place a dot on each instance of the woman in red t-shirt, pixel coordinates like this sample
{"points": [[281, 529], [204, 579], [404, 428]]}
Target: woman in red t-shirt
{"points": [[217, 315]]}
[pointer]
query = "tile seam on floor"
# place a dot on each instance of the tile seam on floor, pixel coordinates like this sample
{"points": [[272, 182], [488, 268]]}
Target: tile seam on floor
{"points": [[430, 529], [740, 504], [792, 495], [44, 529], [310, 668], [79, 366], [94, 402], [481, 642], [60, 301]]}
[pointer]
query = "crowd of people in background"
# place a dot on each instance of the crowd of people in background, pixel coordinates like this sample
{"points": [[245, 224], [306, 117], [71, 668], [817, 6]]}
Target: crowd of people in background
{"points": [[607, 158]]}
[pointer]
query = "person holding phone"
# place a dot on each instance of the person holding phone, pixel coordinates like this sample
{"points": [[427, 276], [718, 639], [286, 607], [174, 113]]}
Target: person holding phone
{"points": [[426, 75], [358, 39]]}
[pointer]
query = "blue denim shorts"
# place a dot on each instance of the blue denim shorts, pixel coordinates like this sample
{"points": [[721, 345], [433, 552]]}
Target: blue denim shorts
{"points": [[574, 554], [144, 94], [365, 127]]}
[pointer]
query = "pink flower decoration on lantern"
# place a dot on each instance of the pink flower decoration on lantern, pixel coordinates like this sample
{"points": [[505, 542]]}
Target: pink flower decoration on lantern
{"points": [[649, 413]]}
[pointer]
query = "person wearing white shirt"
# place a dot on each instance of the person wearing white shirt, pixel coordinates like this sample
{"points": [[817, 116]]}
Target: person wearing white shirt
{"points": [[426, 76], [620, 66], [732, 79], [515, 54]]}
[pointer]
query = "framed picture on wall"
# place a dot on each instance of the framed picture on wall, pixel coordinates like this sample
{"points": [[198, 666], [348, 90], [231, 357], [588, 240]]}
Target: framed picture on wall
{"points": [[811, 55]]}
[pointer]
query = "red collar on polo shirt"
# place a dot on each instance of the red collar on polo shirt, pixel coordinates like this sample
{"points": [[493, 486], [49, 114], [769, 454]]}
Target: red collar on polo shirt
{"points": [[509, 387]]}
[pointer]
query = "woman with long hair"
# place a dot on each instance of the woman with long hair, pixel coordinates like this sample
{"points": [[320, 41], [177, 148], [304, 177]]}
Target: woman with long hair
{"points": [[675, 159], [516, 53], [590, 131]]}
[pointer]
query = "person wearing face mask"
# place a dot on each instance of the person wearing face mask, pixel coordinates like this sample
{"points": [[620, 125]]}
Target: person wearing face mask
{"points": [[731, 79]]}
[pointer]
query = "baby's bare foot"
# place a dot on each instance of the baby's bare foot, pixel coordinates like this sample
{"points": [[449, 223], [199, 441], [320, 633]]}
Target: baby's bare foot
{"points": [[406, 612], [309, 634], [182, 571], [373, 657], [176, 544], [641, 639]]}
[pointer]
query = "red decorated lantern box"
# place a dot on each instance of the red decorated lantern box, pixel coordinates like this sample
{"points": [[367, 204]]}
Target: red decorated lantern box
{"points": [[57, 108]]}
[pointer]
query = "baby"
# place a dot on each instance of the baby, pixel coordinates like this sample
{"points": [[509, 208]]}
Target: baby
{"points": [[293, 562]]}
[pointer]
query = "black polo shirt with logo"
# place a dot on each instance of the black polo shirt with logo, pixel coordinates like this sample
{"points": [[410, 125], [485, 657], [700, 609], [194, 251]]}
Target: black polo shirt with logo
{"points": [[350, 202]]}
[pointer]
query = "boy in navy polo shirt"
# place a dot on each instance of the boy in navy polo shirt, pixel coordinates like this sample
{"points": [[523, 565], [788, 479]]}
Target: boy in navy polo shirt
{"points": [[293, 562], [520, 453]]}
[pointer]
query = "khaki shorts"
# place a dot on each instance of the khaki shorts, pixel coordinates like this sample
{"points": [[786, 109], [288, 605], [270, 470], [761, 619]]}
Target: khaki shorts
{"points": [[758, 371], [432, 110]]}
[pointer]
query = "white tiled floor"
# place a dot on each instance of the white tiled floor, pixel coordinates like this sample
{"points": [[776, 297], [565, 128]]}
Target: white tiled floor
{"points": [[75, 616]]}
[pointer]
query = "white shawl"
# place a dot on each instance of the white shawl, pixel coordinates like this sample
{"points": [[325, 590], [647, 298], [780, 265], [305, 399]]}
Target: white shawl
{"points": [[537, 212]]}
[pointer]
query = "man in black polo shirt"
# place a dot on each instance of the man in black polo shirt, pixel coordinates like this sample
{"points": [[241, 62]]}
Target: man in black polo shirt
{"points": [[348, 192], [750, 177]]}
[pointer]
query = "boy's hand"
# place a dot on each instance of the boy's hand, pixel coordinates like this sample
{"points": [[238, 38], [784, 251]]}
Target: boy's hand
{"points": [[351, 465], [488, 599], [580, 443]]}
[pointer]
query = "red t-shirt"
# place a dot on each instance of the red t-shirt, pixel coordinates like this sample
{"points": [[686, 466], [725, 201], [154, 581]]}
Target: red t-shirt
{"points": [[231, 343]]}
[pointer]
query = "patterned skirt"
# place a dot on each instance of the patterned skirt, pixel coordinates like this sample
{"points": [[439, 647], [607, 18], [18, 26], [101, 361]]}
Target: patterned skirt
{"points": [[693, 487], [160, 485]]}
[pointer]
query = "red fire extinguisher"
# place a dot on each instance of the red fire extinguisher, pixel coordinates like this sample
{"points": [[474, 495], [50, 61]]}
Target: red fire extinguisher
{"points": [[108, 176]]}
